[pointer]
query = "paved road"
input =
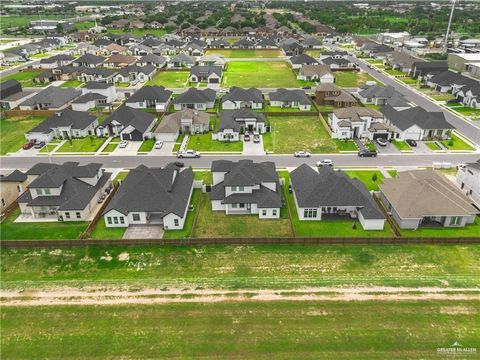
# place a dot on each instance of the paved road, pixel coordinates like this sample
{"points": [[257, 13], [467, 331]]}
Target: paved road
{"points": [[396, 160]]}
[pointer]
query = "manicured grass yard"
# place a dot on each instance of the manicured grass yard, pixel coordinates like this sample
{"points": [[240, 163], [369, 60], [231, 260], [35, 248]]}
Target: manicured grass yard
{"points": [[88, 144], [394, 72], [367, 177], [187, 230], [432, 145], [101, 232], [259, 74], [39, 55], [294, 133], [465, 110], [345, 145], [352, 79], [456, 143], [25, 78], [120, 176], [401, 145], [71, 83], [212, 224], [40, 230], [204, 142], [12, 131], [244, 330], [472, 230], [241, 53], [170, 79], [147, 146], [408, 80], [110, 147], [49, 147]]}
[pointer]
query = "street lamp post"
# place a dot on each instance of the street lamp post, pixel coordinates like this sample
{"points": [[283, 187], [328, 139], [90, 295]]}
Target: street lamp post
{"points": [[449, 24]]}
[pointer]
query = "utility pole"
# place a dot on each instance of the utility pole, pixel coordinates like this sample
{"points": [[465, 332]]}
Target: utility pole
{"points": [[449, 24]]}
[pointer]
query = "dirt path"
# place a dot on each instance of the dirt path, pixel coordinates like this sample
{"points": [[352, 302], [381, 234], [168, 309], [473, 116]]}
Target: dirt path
{"points": [[115, 296]]}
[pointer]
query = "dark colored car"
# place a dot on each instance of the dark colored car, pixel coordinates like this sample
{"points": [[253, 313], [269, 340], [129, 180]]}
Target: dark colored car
{"points": [[179, 164], [39, 145], [306, 87], [411, 142], [367, 153], [28, 145]]}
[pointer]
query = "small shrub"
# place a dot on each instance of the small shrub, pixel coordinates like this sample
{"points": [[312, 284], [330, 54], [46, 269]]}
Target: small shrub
{"points": [[374, 177]]}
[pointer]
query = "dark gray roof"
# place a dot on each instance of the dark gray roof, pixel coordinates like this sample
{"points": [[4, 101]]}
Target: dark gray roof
{"points": [[161, 190], [196, 96], [97, 85], [235, 119], [424, 119], [152, 58], [89, 59], [75, 119], [474, 165], [184, 58], [104, 72], [85, 98], [14, 176], [147, 69], [55, 58], [206, 70], [290, 95], [328, 187], [155, 92], [218, 43], [54, 96], [238, 94], [448, 78], [339, 62], [75, 193], [303, 59], [394, 98], [128, 116]]}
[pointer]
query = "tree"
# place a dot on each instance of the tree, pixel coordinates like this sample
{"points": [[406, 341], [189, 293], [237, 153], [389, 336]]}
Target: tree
{"points": [[59, 28]]}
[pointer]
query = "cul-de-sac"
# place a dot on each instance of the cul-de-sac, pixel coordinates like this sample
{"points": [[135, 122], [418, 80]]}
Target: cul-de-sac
{"points": [[253, 176]]}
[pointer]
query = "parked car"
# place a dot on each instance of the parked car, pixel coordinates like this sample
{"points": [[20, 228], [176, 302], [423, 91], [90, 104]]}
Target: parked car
{"points": [[188, 154], [367, 153], [325, 162], [306, 87], [39, 145], [461, 166], [123, 144], [28, 145], [381, 141], [246, 137], [301, 154], [411, 142], [158, 145], [179, 164], [256, 137]]}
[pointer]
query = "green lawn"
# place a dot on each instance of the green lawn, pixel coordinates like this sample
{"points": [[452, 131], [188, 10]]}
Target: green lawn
{"points": [[122, 84], [101, 232], [401, 145], [84, 25], [352, 79], [49, 147], [395, 72], [187, 230], [472, 230], [243, 330], [12, 131], [40, 230], [25, 78], [204, 142], [242, 53], [408, 80], [464, 110], [138, 32], [315, 53], [456, 143], [371, 178], [39, 55], [345, 145], [442, 97], [432, 145], [88, 144], [170, 79], [110, 147], [71, 83], [147, 146], [295, 133], [120, 176], [24, 20], [179, 141], [259, 74], [213, 224]]}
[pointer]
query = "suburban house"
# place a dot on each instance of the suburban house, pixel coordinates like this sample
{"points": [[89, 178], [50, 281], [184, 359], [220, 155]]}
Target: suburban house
{"points": [[425, 198], [245, 187], [66, 192], [152, 59], [66, 124], [311, 43], [420, 69], [182, 61], [337, 63], [11, 186], [210, 74], [163, 200], [237, 98], [329, 94], [297, 61], [296, 99], [317, 72], [219, 44], [187, 121], [140, 50], [357, 122], [331, 194], [401, 61], [217, 60], [12, 94], [120, 60], [89, 101], [150, 97], [128, 123], [382, 95], [197, 99], [102, 88], [469, 95], [96, 74], [235, 122], [416, 123], [291, 47], [333, 55], [134, 74], [51, 98], [56, 61], [468, 179], [449, 81], [88, 60]]}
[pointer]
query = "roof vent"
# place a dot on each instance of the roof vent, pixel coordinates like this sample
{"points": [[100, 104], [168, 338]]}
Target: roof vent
{"points": [[59, 114]]}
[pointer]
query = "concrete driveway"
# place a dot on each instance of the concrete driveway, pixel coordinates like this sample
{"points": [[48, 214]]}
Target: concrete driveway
{"points": [[131, 149], [389, 149], [251, 148], [166, 149], [143, 232]]}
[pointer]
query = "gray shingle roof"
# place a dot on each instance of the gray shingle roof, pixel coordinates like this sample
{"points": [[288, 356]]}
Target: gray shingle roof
{"points": [[14, 176], [54, 96], [89, 59], [196, 96], [85, 98], [424, 119], [128, 116], [238, 94], [154, 190], [206, 70], [290, 95], [155, 92], [97, 85], [65, 118], [235, 119], [303, 59]]}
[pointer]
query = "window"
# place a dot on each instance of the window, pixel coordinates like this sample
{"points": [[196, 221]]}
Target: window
{"points": [[19, 188], [77, 214], [175, 222], [241, 206], [264, 212], [310, 213], [46, 191], [136, 217], [241, 188], [234, 206], [3, 202], [67, 215], [39, 191], [274, 212], [109, 220], [455, 220], [122, 220], [234, 188], [115, 220]]}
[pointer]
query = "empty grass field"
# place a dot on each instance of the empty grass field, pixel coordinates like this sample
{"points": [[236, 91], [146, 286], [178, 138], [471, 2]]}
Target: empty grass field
{"points": [[204, 142], [241, 53], [352, 79], [12, 131], [251, 329], [259, 74], [25, 78], [170, 79]]}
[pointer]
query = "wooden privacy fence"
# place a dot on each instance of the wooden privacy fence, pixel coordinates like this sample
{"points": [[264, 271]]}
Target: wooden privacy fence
{"points": [[13, 113], [238, 241]]}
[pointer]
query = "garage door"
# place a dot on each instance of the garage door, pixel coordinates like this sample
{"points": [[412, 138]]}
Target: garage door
{"points": [[410, 135], [214, 81], [380, 136]]}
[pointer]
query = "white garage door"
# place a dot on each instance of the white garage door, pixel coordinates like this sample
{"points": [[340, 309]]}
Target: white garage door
{"points": [[413, 135]]}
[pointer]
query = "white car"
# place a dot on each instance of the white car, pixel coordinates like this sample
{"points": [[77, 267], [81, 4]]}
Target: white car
{"points": [[325, 162], [188, 154], [300, 154], [158, 145], [123, 144]]}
